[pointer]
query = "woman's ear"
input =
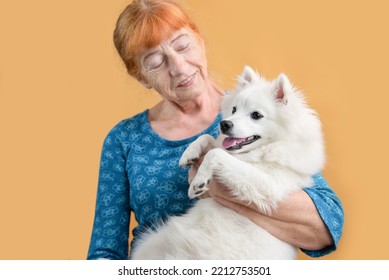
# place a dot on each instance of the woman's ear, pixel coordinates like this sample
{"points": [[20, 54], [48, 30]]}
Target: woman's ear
{"points": [[145, 84]]}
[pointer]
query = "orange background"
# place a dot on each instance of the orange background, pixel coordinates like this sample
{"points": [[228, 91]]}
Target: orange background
{"points": [[62, 87]]}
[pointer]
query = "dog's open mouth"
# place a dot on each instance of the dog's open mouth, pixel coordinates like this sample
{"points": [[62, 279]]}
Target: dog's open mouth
{"points": [[231, 143]]}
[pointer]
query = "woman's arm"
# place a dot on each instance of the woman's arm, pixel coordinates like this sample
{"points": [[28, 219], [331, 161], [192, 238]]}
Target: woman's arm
{"points": [[295, 221], [110, 232], [311, 219]]}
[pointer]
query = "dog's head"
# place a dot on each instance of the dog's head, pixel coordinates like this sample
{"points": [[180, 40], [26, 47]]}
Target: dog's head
{"points": [[251, 116]]}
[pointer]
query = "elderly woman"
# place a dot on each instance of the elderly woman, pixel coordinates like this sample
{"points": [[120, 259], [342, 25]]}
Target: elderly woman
{"points": [[139, 173]]}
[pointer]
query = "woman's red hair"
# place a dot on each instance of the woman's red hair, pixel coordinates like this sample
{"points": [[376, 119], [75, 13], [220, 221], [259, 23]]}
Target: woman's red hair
{"points": [[144, 24]]}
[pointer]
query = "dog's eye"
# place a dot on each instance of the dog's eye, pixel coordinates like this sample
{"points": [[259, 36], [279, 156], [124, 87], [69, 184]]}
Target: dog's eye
{"points": [[256, 115], [233, 109]]}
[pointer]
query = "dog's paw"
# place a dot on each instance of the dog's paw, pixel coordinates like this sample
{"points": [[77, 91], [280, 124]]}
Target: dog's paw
{"points": [[190, 156], [196, 150], [198, 187], [200, 182]]}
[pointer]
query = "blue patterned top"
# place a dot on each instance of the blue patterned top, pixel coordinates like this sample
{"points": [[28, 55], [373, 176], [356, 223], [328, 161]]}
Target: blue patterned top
{"points": [[134, 155]]}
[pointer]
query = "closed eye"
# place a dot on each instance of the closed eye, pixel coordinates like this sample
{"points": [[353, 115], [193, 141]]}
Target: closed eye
{"points": [[154, 61], [181, 48], [181, 43], [233, 110]]}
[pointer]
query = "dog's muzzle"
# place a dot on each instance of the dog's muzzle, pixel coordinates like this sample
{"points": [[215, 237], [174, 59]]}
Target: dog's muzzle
{"points": [[233, 143]]}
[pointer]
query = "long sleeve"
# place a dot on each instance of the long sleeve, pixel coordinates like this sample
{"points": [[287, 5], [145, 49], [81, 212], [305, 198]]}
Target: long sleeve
{"points": [[331, 211], [111, 224]]}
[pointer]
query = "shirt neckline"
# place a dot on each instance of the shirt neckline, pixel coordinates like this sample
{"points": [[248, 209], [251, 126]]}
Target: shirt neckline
{"points": [[145, 121]]}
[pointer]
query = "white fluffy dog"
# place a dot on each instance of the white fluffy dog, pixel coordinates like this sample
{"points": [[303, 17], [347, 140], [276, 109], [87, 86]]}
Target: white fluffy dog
{"points": [[270, 145]]}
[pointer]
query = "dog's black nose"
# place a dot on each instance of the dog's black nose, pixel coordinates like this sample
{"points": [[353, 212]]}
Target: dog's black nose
{"points": [[225, 126]]}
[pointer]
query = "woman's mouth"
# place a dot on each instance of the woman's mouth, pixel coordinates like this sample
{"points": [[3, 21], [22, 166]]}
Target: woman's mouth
{"points": [[187, 82]]}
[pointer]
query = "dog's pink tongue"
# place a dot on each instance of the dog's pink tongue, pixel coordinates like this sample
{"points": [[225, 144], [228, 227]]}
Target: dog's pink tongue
{"points": [[230, 142]]}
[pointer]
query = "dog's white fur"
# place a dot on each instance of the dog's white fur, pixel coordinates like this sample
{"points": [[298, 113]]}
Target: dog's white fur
{"points": [[283, 160]]}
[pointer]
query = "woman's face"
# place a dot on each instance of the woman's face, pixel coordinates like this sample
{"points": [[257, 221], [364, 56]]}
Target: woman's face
{"points": [[177, 67]]}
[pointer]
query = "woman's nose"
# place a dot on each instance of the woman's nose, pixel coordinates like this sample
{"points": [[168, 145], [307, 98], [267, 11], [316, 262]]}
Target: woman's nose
{"points": [[177, 64]]}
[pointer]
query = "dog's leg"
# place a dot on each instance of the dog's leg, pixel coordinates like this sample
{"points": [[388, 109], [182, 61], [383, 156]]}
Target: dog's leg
{"points": [[196, 149], [205, 172], [254, 184]]}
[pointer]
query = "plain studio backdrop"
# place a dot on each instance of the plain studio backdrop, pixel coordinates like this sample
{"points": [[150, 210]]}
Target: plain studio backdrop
{"points": [[63, 87]]}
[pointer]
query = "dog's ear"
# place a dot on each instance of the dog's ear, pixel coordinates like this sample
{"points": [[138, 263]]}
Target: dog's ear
{"points": [[281, 87], [247, 77]]}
